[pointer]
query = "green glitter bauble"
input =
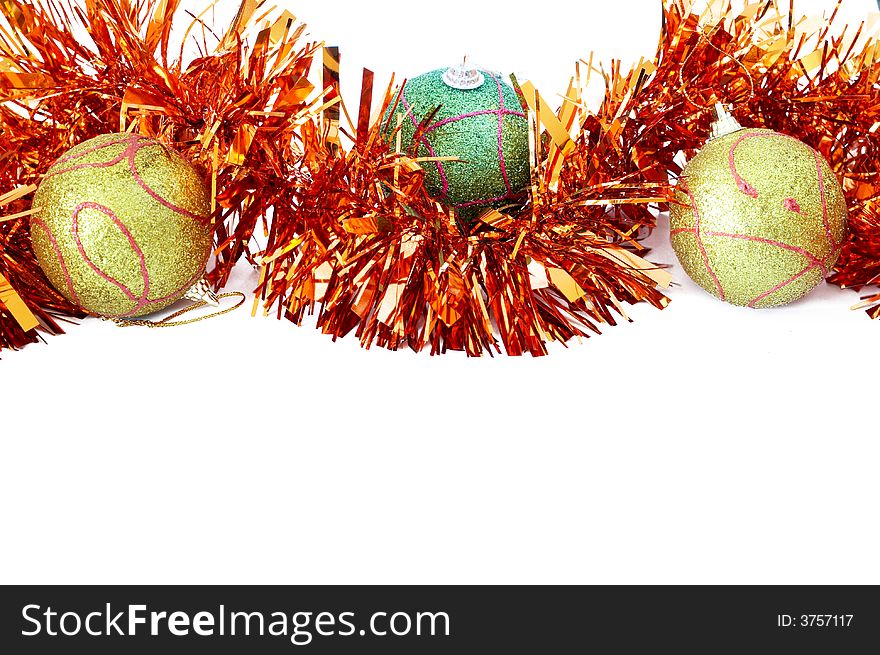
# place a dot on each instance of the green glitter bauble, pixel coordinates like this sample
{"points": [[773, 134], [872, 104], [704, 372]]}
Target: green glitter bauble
{"points": [[121, 225], [484, 127], [760, 218]]}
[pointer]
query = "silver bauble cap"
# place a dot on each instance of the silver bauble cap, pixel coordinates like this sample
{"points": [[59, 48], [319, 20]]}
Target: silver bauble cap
{"points": [[463, 76], [724, 122]]}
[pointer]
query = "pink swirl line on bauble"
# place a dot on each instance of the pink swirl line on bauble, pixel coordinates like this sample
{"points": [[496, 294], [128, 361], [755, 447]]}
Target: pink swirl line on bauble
{"points": [[507, 196], [825, 221], [772, 242], [814, 262], [700, 245], [781, 285], [444, 181], [39, 222], [140, 301], [790, 204], [501, 112], [134, 143], [473, 114], [79, 155]]}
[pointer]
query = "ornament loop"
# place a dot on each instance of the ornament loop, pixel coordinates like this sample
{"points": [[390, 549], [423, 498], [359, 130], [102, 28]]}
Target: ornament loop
{"points": [[169, 321], [708, 40]]}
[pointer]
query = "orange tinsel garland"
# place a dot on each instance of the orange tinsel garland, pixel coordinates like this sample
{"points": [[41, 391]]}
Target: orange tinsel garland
{"points": [[355, 237], [365, 246], [70, 71], [797, 75]]}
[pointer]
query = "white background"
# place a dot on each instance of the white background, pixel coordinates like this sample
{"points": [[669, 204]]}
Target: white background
{"points": [[704, 443]]}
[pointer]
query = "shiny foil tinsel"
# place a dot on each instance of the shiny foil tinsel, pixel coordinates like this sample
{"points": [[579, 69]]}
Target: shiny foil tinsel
{"points": [[233, 111], [367, 248], [356, 238], [813, 78]]}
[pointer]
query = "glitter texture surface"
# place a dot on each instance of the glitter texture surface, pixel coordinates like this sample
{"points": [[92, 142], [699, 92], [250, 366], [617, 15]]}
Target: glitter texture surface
{"points": [[761, 218], [484, 127], [121, 227]]}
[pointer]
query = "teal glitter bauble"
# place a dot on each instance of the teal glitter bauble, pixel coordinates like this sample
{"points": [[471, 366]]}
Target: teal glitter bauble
{"points": [[484, 127]]}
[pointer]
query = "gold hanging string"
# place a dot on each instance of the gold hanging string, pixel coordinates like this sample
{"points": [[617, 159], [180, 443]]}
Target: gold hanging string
{"points": [[170, 320], [708, 41]]}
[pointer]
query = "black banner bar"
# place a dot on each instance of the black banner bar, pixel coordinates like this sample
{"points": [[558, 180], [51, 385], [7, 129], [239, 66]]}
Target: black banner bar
{"points": [[449, 619]]}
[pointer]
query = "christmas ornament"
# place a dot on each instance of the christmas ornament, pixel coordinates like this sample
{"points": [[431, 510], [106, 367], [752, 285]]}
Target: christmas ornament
{"points": [[370, 250], [760, 217], [814, 78], [356, 236], [73, 71], [120, 225], [471, 127]]}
